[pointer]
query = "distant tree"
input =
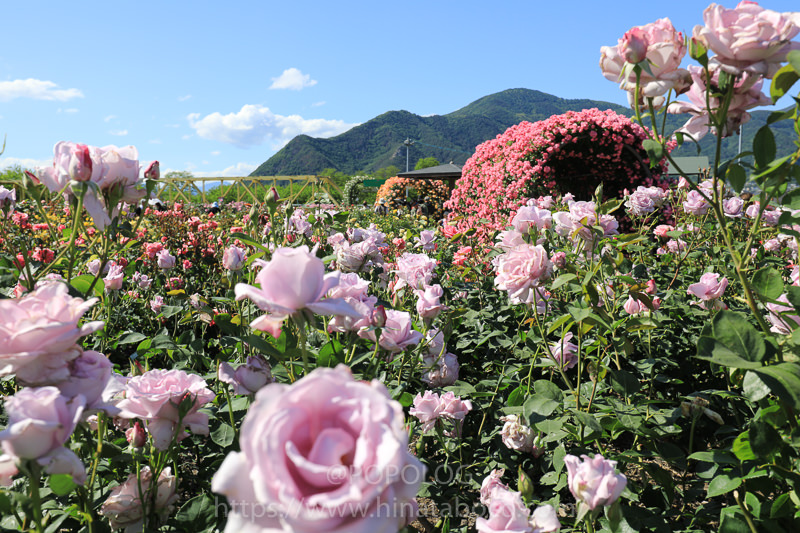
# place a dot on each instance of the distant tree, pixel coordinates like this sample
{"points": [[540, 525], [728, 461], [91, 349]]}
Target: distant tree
{"points": [[179, 174], [387, 172], [426, 162]]}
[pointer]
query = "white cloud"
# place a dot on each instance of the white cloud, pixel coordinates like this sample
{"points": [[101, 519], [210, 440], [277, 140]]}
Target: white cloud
{"points": [[255, 124], [25, 163], [35, 90], [184, 98], [118, 133], [216, 152], [186, 137], [109, 118], [317, 104], [239, 169], [292, 79]]}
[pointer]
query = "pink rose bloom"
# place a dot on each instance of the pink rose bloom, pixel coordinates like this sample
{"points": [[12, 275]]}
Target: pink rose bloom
{"points": [[461, 256], [397, 334], [399, 243], [326, 453], [157, 303], [577, 222], [142, 280], [293, 280], [565, 352], [8, 469], [733, 207], [337, 239], [645, 200], [363, 308], [674, 246], [633, 45], [544, 520], [662, 229], [114, 278], [249, 377], [772, 245], [748, 38], [770, 217], [40, 421], [350, 285], [517, 436], [709, 289], [39, 332], [233, 258], [425, 240], [414, 270], [665, 49], [428, 304], [123, 507], [547, 202], [166, 260], [528, 217], [794, 276], [695, 204], [88, 376], [442, 369], [782, 316], [358, 257], [507, 514], [594, 481], [454, 407], [449, 231], [427, 409], [520, 270], [491, 482], [8, 198], [747, 95], [156, 398], [506, 240]]}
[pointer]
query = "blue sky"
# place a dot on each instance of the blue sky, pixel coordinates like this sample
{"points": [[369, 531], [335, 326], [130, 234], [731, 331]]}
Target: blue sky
{"points": [[216, 88]]}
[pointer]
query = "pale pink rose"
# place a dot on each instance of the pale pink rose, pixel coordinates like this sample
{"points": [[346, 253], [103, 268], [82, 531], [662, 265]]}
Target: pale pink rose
{"points": [[114, 278], [142, 280], [425, 240], [665, 49], [794, 276], [428, 304], [520, 270], [40, 330], [770, 217], [427, 408], [559, 259], [676, 245], [517, 436], [565, 352], [233, 258], [748, 38], [435, 342], [747, 95], [733, 207], [491, 482], [577, 222], [633, 306], [506, 240], [594, 481], [545, 520], [80, 164], [782, 316], [337, 239], [633, 45], [772, 245], [359, 257], [365, 309], [248, 378], [88, 376], [567, 199], [609, 224], [157, 303], [695, 204], [507, 514], [8, 469], [453, 407], [293, 280], [442, 369], [528, 217], [709, 289], [397, 333], [153, 171], [414, 270], [326, 453], [123, 507], [136, 435], [40, 421], [350, 285], [166, 260], [8, 199], [157, 397], [753, 209]]}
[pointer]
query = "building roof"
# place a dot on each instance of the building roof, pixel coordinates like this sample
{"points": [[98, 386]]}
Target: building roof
{"points": [[448, 170]]}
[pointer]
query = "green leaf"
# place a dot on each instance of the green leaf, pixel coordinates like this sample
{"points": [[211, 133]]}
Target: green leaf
{"points": [[82, 284], [61, 484], [741, 447], [654, 149], [198, 514], [590, 423], [764, 439], [783, 380], [793, 58], [764, 148], [548, 389], [331, 354], [722, 484], [170, 310], [754, 388], [732, 520], [782, 82], [714, 457], [540, 406], [768, 283], [561, 280], [736, 176], [710, 350], [131, 337], [734, 343], [517, 397], [223, 435], [623, 382]]}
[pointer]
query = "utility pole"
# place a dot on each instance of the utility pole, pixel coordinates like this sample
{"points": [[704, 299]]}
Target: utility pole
{"points": [[408, 142]]}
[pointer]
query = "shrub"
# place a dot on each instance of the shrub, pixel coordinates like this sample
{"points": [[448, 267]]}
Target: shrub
{"points": [[573, 152], [394, 192]]}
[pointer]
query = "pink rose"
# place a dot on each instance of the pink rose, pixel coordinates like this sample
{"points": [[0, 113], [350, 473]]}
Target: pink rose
{"points": [[326, 453], [8, 469], [414, 270], [40, 331], [158, 397], [528, 217], [427, 409], [709, 289], [249, 377], [507, 513], [565, 352], [517, 436], [491, 482], [544, 520], [358, 257], [733, 207], [520, 270], [397, 334], [442, 369], [594, 481], [157, 303], [453, 407], [293, 280], [782, 316], [350, 285], [662, 229], [425, 240], [695, 204], [114, 278], [233, 258], [428, 304], [748, 38], [89, 374], [40, 421], [123, 507], [166, 260]]}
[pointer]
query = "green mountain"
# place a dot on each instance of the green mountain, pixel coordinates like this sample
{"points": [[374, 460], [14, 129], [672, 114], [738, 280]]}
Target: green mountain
{"points": [[453, 137]]}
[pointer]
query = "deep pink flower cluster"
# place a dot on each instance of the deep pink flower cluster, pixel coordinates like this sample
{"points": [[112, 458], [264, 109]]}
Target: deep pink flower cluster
{"points": [[572, 152]]}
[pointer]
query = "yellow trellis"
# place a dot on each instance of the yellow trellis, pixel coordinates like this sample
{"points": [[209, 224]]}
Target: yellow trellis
{"points": [[244, 186]]}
